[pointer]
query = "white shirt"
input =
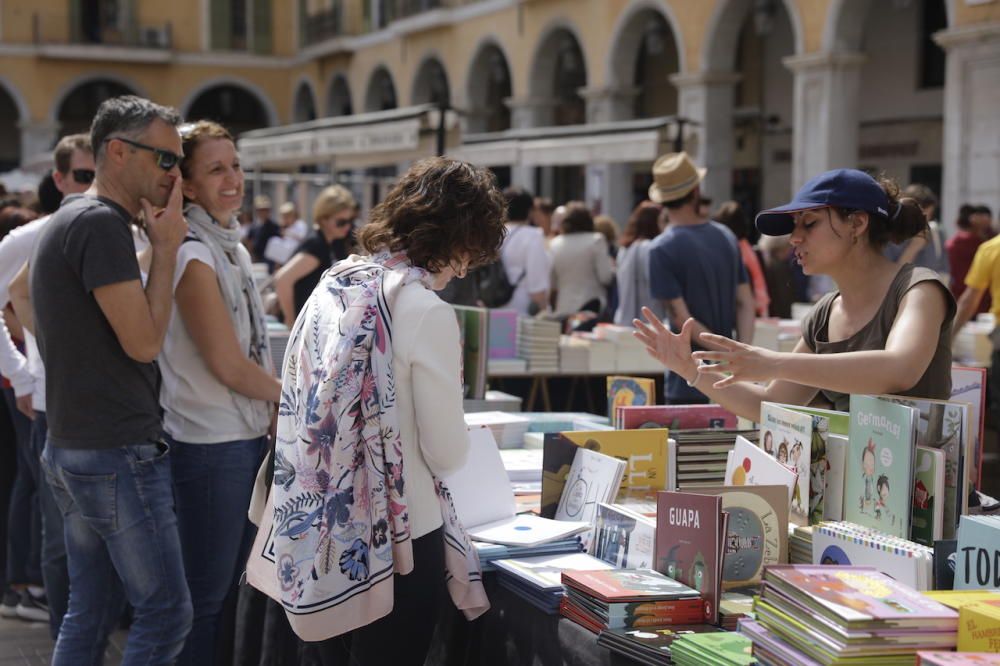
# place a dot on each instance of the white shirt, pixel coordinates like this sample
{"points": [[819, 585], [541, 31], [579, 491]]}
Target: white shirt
{"points": [[427, 366], [197, 407], [15, 251], [581, 270], [526, 263]]}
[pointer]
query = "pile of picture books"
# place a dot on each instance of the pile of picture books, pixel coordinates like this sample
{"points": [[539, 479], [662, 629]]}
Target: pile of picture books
{"points": [[846, 544], [538, 344], [978, 618], [649, 646], [585, 352], [722, 648], [702, 455], [630, 354], [538, 580], [508, 427], [832, 614], [958, 659], [734, 606], [800, 549], [628, 599], [491, 552]]}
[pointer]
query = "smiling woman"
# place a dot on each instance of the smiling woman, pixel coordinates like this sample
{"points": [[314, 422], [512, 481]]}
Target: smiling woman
{"points": [[887, 329], [218, 389]]}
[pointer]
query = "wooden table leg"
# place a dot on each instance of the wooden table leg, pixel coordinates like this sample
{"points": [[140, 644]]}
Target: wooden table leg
{"points": [[546, 400]]}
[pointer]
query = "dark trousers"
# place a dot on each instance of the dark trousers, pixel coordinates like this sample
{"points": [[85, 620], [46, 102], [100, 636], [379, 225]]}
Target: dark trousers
{"points": [[24, 520], [54, 571], [403, 637]]}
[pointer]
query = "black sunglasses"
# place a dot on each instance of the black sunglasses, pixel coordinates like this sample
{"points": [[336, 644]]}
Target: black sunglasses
{"points": [[165, 159], [83, 176]]}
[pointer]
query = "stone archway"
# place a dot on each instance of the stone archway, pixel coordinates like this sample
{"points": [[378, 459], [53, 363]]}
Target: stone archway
{"points": [[381, 92], [76, 111], [489, 87], [559, 72], [10, 131], [338, 97], [644, 55], [430, 86], [304, 106], [232, 105]]}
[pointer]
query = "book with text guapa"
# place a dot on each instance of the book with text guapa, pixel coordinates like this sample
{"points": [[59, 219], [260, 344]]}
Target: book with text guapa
{"points": [[690, 530], [789, 435], [646, 454], [946, 425], [879, 469]]}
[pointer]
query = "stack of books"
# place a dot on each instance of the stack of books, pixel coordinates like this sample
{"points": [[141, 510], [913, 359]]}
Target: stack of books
{"points": [[491, 552], [599, 353], [702, 455], [628, 599], [574, 355], [630, 354], [508, 428], [847, 544], [833, 614], [649, 646], [723, 648], [800, 544], [958, 659], [734, 606], [538, 580], [538, 344], [524, 467]]}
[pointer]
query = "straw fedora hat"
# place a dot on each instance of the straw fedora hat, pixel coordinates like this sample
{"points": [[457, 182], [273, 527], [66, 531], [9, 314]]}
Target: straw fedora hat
{"points": [[674, 176]]}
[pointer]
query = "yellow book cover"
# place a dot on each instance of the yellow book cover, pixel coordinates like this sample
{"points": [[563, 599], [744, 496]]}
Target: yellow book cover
{"points": [[628, 392], [958, 598], [979, 627], [645, 452]]}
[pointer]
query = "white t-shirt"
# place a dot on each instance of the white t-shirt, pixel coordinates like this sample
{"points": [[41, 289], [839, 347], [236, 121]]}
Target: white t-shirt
{"points": [[525, 259], [197, 407]]}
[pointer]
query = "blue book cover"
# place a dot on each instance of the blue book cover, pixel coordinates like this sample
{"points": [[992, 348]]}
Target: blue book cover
{"points": [[977, 558], [878, 477]]}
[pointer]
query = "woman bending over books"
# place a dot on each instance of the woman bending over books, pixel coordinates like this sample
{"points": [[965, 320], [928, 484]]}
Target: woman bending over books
{"points": [[371, 418], [887, 329]]}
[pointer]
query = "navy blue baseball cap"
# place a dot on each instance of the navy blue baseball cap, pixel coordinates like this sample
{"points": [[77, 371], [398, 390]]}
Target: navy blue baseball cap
{"points": [[840, 188]]}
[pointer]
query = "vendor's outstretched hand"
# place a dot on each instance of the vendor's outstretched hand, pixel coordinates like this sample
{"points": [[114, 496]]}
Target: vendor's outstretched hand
{"points": [[671, 349], [738, 361]]}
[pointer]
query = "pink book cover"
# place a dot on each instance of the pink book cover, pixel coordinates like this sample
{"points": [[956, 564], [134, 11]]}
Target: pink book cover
{"points": [[675, 417]]}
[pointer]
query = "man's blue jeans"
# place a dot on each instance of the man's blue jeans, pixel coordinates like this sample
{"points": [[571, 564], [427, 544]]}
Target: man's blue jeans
{"points": [[121, 543], [213, 485]]}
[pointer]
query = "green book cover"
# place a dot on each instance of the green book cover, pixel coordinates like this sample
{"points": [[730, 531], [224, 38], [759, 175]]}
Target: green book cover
{"points": [[928, 490], [725, 648], [878, 474]]}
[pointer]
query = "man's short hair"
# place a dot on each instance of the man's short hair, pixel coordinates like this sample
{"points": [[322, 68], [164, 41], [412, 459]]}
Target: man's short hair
{"points": [[63, 154], [127, 116], [923, 195], [519, 203]]}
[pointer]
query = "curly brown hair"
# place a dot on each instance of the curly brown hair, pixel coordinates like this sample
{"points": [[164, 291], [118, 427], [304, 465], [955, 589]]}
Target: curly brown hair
{"points": [[440, 211], [193, 134]]}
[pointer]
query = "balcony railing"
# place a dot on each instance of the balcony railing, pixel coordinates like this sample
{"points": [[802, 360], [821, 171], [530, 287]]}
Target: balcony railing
{"points": [[131, 36]]}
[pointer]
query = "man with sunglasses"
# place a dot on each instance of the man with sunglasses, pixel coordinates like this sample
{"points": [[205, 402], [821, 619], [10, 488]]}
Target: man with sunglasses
{"points": [[73, 173], [99, 333]]}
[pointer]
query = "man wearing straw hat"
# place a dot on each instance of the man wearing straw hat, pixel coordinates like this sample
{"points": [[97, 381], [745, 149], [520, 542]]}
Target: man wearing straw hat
{"points": [[695, 267]]}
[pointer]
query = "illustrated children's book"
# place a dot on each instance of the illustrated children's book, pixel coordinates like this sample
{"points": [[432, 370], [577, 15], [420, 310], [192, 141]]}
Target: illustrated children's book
{"points": [[646, 454], [979, 627], [690, 530], [946, 425], [879, 476], [749, 465], [849, 544], [788, 436], [675, 417], [977, 559], [968, 385], [629, 391], [836, 460], [623, 538], [757, 535], [928, 495], [503, 334]]}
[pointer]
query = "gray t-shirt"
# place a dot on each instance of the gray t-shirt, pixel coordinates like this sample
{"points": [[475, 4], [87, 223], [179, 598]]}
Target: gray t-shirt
{"points": [[97, 396]]}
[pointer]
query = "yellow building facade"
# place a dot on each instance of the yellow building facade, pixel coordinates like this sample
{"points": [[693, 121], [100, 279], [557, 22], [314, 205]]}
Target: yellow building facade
{"points": [[570, 98]]}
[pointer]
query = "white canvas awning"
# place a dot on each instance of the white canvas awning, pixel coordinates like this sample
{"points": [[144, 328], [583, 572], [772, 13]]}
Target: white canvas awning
{"points": [[626, 141], [348, 142]]}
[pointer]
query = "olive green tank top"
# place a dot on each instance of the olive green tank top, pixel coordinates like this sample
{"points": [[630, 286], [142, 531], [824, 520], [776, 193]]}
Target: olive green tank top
{"points": [[936, 380]]}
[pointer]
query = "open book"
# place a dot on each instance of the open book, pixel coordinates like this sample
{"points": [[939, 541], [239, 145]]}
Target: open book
{"points": [[484, 500]]}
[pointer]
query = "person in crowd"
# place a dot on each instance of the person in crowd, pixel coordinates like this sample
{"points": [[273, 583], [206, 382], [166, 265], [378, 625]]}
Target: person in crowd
{"points": [[292, 226], [219, 386], [73, 174], [49, 194], [928, 249], [263, 229], [886, 330], [99, 334], [417, 239], [633, 264], [541, 216], [695, 267], [581, 264], [607, 227], [524, 257], [974, 229], [731, 214], [333, 218], [704, 206], [556, 222], [776, 257]]}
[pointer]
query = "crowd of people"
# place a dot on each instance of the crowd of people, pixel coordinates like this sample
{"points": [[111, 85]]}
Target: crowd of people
{"points": [[142, 396]]}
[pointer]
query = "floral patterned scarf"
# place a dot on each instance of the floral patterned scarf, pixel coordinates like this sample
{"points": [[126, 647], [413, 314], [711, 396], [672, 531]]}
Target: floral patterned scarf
{"points": [[340, 524]]}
